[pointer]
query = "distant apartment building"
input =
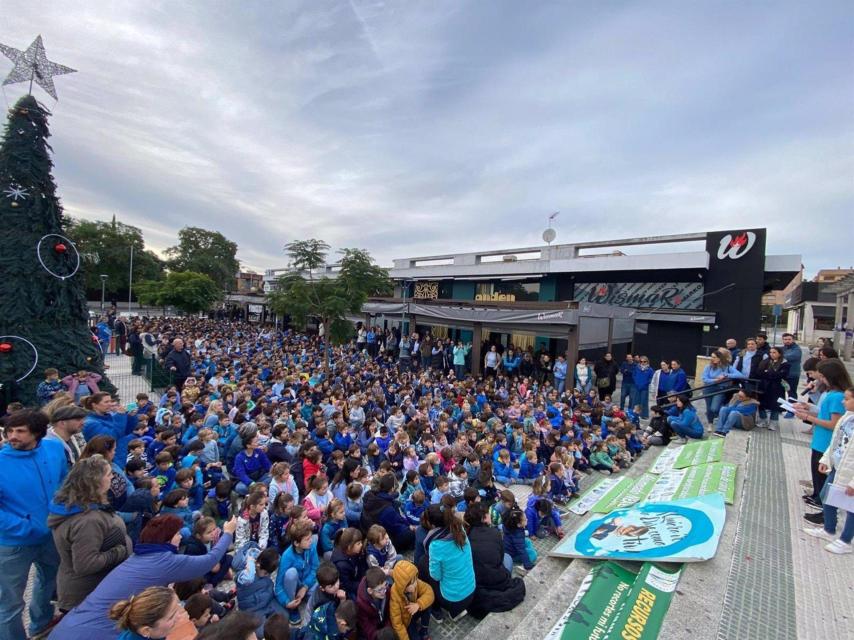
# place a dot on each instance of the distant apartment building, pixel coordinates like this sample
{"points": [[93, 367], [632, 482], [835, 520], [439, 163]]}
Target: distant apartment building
{"points": [[811, 305]]}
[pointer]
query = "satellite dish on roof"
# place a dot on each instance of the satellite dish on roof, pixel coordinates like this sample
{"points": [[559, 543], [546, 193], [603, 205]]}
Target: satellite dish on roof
{"points": [[549, 235]]}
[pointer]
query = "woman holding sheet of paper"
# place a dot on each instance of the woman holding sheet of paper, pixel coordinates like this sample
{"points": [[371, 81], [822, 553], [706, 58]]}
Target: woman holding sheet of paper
{"points": [[838, 463]]}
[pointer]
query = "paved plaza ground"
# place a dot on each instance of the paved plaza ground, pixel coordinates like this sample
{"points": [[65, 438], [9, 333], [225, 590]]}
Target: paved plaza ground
{"points": [[768, 581]]}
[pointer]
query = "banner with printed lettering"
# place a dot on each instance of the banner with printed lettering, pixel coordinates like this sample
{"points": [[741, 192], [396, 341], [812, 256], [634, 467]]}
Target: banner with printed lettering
{"points": [[595, 493], [703, 479], [615, 603], [627, 492], [665, 460], [676, 531], [595, 607], [643, 611], [700, 452]]}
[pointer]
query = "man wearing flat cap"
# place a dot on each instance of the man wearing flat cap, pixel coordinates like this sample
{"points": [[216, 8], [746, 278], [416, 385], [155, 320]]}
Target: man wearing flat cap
{"points": [[65, 428]]}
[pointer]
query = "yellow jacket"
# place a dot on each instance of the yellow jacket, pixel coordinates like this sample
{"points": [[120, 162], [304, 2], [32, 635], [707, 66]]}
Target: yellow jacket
{"points": [[404, 573]]}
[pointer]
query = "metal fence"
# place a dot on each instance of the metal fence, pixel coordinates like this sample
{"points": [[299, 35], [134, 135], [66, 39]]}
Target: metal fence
{"points": [[132, 375]]}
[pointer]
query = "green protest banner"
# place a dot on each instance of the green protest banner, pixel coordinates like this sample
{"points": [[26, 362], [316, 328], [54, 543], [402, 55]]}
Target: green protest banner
{"points": [[644, 609], [628, 492], [717, 477], [700, 452], [614, 603], [596, 605]]}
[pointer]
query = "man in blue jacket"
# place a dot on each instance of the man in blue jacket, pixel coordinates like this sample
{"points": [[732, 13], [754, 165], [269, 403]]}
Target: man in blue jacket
{"points": [[793, 355], [33, 468]]}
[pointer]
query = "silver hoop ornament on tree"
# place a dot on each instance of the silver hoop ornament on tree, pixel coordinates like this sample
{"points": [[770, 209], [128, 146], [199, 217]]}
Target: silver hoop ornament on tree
{"points": [[8, 347], [60, 248]]}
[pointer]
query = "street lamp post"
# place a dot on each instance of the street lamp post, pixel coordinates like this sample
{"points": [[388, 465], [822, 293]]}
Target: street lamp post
{"points": [[103, 290]]}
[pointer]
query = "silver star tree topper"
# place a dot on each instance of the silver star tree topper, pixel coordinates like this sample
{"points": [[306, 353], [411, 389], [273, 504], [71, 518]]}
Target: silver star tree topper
{"points": [[34, 66]]}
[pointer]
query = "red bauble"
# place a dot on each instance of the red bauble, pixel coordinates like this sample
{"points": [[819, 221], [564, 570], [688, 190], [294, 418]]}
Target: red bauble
{"points": [[5, 347], [60, 248]]}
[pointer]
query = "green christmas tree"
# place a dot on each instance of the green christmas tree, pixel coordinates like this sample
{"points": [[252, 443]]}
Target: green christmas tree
{"points": [[43, 312]]}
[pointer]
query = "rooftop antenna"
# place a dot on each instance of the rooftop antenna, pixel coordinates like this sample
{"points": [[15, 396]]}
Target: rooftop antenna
{"points": [[549, 234]]}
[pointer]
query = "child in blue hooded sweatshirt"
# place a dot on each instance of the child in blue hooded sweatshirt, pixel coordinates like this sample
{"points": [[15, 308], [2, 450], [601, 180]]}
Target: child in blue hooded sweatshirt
{"points": [[540, 513], [530, 468]]}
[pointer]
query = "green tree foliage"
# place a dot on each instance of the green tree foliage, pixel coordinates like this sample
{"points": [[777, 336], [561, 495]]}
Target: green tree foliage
{"points": [[187, 291], [208, 252], [105, 248], [47, 310], [302, 295]]}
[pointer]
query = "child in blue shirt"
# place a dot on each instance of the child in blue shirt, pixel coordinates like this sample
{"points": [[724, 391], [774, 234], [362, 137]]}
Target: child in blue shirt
{"points": [[164, 472], [529, 468], [415, 505], [353, 504]]}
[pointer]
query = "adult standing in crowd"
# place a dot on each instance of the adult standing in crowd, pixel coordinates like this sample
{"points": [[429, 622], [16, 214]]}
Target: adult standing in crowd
{"points": [[120, 331], [606, 375], [762, 345], [583, 376], [559, 372], [747, 362], [491, 362], [627, 388], [732, 347], [833, 376], [793, 355], [679, 382], [109, 418], [33, 469], [772, 372], [135, 348], [155, 562], [65, 428], [178, 362], [90, 538], [641, 380]]}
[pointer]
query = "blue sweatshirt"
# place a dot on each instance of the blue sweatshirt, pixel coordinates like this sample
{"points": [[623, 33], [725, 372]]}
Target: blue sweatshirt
{"points": [[27, 484], [688, 422], [118, 425], [305, 563]]}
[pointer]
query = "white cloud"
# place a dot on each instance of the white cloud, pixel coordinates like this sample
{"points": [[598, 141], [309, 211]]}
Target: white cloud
{"points": [[411, 128]]}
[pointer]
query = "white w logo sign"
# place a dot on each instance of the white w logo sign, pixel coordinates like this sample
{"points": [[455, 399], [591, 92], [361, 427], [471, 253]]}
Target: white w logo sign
{"points": [[736, 247]]}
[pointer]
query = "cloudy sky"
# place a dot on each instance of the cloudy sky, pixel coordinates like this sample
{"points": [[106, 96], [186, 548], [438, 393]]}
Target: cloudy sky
{"points": [[415, 128]]}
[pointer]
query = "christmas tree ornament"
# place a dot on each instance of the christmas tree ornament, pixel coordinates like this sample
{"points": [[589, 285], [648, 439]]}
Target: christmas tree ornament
{"points": [[56, 247], [15, 191], [7, 347], [32, 65]]}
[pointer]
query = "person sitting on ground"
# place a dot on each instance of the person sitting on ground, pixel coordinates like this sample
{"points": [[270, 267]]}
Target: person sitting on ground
{"points": [[740, 413], [686, 423]]}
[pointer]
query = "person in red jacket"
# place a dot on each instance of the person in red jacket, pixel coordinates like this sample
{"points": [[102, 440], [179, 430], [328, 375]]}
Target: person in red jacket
{"points": [[372, 602]]}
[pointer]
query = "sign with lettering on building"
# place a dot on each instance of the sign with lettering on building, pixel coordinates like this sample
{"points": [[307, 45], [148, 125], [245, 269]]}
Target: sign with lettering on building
{"points": [[643, 295], [427, 290]]}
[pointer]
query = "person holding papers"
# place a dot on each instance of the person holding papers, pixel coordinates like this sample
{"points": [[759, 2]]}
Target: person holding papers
{"points": [[838, 463]]}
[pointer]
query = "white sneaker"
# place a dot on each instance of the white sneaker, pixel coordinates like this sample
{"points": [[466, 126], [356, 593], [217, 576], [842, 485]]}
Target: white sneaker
{"points": [[819, 532], [680, 440], [837, 546]]}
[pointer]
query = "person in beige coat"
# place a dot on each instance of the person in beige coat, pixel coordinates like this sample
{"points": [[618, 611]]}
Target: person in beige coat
{"points": [[90, 538], [838, 463]]}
